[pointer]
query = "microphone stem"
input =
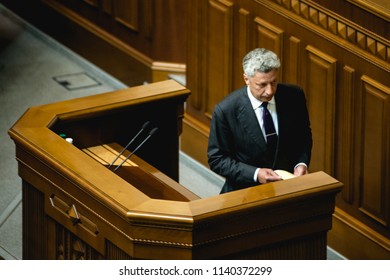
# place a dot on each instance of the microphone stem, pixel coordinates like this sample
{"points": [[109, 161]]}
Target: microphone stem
{"points": [[146, 139], [128, 144]]}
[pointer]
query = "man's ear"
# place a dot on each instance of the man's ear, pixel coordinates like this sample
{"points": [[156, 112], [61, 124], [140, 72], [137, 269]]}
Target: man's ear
{"points": [[246, 79]]}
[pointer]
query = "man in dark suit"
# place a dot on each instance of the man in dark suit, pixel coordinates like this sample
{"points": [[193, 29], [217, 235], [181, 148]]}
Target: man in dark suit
{"points": [[239, 148]]}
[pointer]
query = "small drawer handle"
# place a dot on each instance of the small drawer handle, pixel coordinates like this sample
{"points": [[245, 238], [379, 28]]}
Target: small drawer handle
{"points": [[71, 211], [74, 215]]}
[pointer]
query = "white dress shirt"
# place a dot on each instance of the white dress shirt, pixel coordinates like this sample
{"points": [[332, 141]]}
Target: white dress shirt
{"points": [[256, 105]]}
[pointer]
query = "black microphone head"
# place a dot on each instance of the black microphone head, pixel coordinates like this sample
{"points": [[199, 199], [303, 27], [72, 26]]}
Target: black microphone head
{"points": [[146, 124], [153, 131]]}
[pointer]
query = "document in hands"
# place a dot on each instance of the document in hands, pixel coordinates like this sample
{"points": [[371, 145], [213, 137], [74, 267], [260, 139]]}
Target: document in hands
{"points": [[285, 174]]}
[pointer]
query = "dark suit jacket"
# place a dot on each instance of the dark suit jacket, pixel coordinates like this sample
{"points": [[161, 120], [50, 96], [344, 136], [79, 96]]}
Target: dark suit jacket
{"points": [[237, 146]]}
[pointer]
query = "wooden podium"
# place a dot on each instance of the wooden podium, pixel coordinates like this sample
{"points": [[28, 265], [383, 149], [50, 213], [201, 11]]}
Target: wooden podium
{"points": [[75, 207]]}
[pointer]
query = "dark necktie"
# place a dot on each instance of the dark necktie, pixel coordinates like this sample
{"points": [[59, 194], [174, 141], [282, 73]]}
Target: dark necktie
{"points": [[269, 128]]}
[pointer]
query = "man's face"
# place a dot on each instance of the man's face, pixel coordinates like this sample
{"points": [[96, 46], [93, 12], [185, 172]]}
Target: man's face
{"points": [[263, 85]]}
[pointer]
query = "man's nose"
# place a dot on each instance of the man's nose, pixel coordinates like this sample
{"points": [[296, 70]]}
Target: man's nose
{"points": [[269, 89]]}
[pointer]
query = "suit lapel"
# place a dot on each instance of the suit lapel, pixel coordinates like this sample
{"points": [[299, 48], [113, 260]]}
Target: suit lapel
{"points": [[281, 109], [249, 122]]}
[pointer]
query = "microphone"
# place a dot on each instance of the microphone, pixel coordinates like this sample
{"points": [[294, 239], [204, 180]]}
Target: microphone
{"points": [[144, 126], [153, 131]]}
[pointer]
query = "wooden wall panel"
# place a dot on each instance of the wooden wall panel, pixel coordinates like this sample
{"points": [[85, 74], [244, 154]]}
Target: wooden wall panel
{"points": [[147, 19], [345, 142], [241, 46], [94, 3], [320, 93], [375, 161], [219, 53], [107, 6], [126, 13], [195, 59], [292, 61], [156, 28], [270, 37]]}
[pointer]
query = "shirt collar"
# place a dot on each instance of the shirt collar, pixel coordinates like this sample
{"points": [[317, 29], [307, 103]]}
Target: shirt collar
{"points": [[256, 103]]}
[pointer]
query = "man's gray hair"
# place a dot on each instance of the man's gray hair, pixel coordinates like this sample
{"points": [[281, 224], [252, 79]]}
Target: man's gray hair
{"points": [[260, 60]]}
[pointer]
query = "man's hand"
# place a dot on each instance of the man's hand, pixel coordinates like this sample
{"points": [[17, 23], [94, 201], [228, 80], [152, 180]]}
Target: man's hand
{"points": [[267, 175], [300, 170]]}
